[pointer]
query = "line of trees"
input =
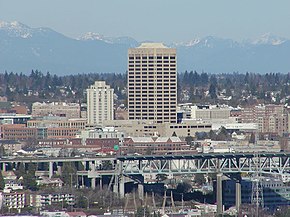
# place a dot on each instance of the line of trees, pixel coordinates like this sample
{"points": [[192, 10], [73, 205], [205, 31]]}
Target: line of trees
{"points": [[192, 87]]}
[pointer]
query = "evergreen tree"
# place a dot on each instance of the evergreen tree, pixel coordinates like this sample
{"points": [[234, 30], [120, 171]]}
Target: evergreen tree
{"points": [[2, 183]]}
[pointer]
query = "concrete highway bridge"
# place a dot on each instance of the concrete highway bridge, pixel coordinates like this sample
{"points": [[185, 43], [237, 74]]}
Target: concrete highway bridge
{"points": [[128, 167]]}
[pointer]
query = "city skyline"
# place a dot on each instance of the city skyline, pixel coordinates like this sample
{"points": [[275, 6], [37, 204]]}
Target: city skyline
{"points": [[188, 20]]}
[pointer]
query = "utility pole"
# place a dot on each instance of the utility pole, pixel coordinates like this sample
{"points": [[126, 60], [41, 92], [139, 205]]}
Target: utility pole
{"points": [[257, 187]]}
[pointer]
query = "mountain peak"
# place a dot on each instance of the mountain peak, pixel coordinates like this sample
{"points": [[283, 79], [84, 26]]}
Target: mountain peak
{"points": [[91, 36], [269, 38], [16, 29], [94, 36]]}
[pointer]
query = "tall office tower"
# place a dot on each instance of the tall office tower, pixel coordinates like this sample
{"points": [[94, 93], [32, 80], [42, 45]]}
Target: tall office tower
{"points": [[152, 83], [100, 103]]}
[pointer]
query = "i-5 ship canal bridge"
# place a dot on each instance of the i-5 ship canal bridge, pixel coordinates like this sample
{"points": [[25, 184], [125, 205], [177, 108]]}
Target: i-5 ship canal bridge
{"points": [[129, 167]]}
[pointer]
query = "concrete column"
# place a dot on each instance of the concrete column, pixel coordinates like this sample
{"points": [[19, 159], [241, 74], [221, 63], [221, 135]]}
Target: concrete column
{"points": [[141, 191], [238, 194], [3, 167], [59, 170], [50, 169], [122, 187], [83, 181], [93, 183], [219, 195], [101, 183]]}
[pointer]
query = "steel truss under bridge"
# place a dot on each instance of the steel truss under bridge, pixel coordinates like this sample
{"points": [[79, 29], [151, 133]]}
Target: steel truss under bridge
{"points": [[277, 163]]}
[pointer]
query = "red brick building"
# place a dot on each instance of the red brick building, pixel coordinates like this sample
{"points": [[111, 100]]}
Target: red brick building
{"points": [[154, 145]]}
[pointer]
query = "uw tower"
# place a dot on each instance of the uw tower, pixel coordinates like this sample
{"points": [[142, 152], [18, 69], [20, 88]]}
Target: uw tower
{"points": [[152, 83]]}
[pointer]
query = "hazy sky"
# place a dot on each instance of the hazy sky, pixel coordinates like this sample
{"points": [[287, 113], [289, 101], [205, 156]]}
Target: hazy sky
{"points": [[155, 20]]}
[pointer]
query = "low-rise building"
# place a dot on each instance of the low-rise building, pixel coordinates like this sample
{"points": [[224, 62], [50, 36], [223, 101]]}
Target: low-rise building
{"points": [[13, 199], [139, 128], [12, 118], [44, 199], [49, 182], [154, 145], [61, 109]]}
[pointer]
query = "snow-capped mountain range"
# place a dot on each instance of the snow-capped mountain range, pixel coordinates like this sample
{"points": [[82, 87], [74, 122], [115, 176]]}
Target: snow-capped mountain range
{"points": [[23, 48]]}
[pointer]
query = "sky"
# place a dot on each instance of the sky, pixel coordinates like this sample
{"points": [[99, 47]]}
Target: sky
{"points": [[154, 20]]}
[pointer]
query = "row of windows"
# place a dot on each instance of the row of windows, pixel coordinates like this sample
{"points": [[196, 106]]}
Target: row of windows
{"points": [[153, 110], [173, 99], [152, 102], [153, 88], [151, 76], [165, 64], [152, 95], [160, 73], [151, 114], [132, 83], [193, 126], [146, 106], [152, 63], [138, 57], [152, 91], [152, 69]]}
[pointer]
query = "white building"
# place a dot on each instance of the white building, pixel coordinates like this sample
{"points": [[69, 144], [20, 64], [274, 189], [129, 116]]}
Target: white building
{"points": [[13, 199], [101, 133], [62, 109], [100, 103]]}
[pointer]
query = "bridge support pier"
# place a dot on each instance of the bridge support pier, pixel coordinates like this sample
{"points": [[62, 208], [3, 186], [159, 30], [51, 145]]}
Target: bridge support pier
{"points": [[238, 194], [141, 191], [3, 167], [101, 183], [50, 173], [219, 195], [122, 187], [93, 183], [59, 172]]}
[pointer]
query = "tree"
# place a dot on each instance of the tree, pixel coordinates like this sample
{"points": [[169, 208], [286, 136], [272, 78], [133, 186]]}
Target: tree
{"points": [[107, 165], [199, 179], [2, 151], [212, 91], [189, 140], [184, 187], [143, 211], [252, 138], [29, 182], [68, 174], [2, 183], [161, 177], [223, 134], [20, 171], [282, 212]]}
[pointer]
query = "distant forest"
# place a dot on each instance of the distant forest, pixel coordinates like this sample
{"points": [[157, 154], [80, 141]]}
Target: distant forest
{"points": [[233, 89]]}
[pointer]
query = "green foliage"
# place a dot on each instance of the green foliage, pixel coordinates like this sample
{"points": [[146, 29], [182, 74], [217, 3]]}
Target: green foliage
{"points": [[68, 175], [189, 140], [184, 187], [252, 138], [82, 202], [2, 150], [29, 182], [2, 183], [199, 179], [107, 165], [283, 212], [143, 211], [20, 170], [161, 177]]}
